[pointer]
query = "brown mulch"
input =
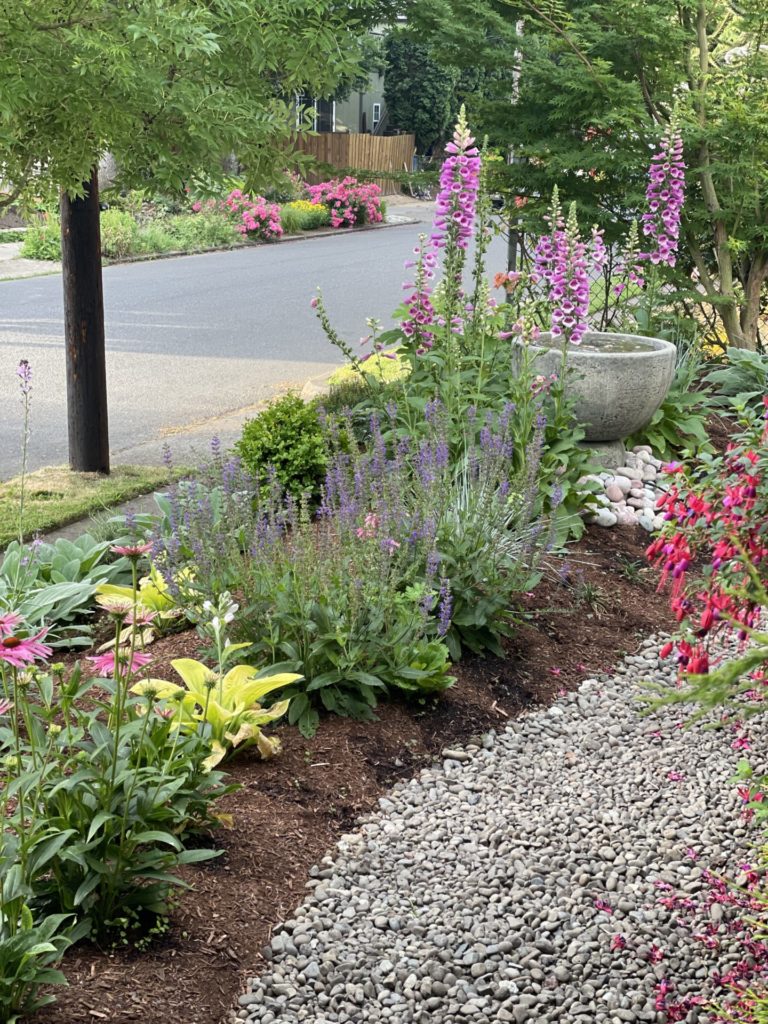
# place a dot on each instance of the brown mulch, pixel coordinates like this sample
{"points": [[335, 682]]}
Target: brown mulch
{"points": [[290, 811]]}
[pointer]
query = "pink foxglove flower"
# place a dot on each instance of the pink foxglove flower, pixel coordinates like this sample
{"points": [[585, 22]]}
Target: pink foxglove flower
{"points": [[453, 226], [665, 196], [560, 260]]}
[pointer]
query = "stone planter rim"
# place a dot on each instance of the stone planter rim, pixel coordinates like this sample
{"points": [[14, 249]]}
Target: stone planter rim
{"points": [[654, 345], [616, 392]]}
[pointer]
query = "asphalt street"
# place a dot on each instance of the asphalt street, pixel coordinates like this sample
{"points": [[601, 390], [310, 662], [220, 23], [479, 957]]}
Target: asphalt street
{"points": [[195, 344]]}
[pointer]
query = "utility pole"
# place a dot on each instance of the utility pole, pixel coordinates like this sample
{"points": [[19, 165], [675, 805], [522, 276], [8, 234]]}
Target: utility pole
{"points": [[87, 423], [513, 237]]}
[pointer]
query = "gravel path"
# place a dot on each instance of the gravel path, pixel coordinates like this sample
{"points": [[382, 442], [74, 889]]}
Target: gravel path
{"points": [[546, 875]]}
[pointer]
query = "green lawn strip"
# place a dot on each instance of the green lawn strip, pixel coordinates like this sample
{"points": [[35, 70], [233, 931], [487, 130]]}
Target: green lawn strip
{"points": [[55, 496]]}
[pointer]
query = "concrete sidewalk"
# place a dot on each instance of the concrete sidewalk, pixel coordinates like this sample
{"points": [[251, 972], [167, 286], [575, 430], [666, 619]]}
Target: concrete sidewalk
{"points": [[12, 265]]}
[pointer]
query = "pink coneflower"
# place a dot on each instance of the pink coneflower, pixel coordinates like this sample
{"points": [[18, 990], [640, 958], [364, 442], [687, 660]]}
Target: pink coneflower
{"points": [[115, 604], [5, 707], [8, 622], [142, 617], [105, 663], [131, 550], [20, 651]]}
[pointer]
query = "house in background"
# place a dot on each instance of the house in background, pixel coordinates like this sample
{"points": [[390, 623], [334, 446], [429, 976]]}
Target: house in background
{"points": [[352, 135], [362, 112]]}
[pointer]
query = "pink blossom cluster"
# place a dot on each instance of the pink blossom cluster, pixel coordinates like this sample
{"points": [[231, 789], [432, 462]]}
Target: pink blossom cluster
{"points": [[20, 651], [209, 205], [459, 185], [254, 217], [349, 201], [739, 991], [561, 260], [421, 316], [454, 221], [665, 195]]}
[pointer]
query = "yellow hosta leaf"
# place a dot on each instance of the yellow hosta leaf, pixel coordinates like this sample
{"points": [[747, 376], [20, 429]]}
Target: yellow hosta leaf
{"points": [[214, 714], [244, 733], [217, 753], [144, 636], [112, 590], [264, 715], [247, 690], [195, 675], [161, 688], [268, 747]]}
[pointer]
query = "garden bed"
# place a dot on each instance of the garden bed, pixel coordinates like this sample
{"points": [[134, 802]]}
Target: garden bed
{"points": [[292, 809]]}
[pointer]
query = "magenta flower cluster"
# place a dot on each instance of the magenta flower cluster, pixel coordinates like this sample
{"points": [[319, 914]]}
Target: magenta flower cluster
{"points": [[349, 201], [453, 226], [253, 216], [24, 373], [561, 259], [665, 196], [421, 316], [459, 185]]}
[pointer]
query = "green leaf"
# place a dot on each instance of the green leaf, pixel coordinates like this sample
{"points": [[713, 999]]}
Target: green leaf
{"points": [[155, 836], [86, 887]]}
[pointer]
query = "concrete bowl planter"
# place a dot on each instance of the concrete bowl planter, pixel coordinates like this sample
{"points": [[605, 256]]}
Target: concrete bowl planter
{"points": [[619, 380]]}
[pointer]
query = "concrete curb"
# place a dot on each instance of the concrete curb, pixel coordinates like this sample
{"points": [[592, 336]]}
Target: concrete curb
{"points": [[151, 257]]}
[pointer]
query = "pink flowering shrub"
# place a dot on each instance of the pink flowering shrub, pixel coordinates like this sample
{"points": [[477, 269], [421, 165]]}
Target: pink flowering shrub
{"points": [[254, 217], [349, 201]]}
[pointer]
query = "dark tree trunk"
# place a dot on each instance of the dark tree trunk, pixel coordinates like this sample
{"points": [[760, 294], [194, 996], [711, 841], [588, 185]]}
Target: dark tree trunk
{"points": [[84, 331]]}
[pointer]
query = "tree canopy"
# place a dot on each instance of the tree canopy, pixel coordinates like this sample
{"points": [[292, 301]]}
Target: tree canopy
{"points": [[423, 93], [418, 91], [598, 82], [167, 86]]}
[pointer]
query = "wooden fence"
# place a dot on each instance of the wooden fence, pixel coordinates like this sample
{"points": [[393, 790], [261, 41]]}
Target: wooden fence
{"points": [[349, 151]]}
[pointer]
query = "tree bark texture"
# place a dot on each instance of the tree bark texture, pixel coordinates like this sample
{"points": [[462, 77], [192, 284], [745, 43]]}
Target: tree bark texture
{"points": [[84, 331]]}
